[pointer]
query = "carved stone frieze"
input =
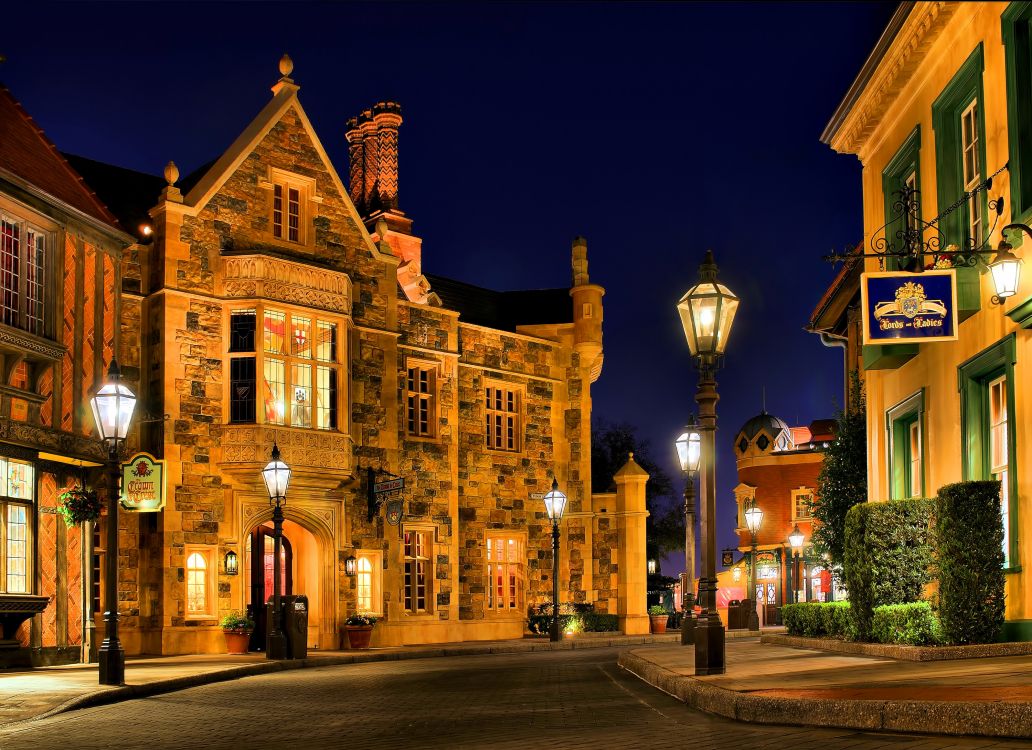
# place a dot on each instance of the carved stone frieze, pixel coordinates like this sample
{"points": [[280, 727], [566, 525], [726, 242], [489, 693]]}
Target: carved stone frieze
{"points": [[51, 441], [22, 342], [286, 281], [315, 449]]}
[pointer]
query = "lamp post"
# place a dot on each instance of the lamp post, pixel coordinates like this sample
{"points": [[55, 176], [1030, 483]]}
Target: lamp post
{"points": [[689, 455], [555, 505], [707, 311], [753, 519], [113, 407], [796, 540], [277, 476]]}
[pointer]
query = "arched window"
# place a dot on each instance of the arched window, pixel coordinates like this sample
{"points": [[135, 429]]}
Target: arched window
{"points": [[196, 584], [365, 585]]}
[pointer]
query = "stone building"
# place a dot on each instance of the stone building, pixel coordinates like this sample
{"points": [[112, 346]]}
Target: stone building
{"points": [[279, 306], [777, 471], [940, 118], [61, 254]]}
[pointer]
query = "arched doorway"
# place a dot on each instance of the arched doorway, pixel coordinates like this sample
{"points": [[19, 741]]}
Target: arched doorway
{"points": [[301, 561]]}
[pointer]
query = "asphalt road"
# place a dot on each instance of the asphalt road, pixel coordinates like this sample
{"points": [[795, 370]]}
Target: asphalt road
{"points": [[563, 699]]}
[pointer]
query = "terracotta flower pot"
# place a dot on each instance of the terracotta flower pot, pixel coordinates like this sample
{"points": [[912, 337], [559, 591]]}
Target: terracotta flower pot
{"points": [[358, 635], [658, 623], [236, 641]]}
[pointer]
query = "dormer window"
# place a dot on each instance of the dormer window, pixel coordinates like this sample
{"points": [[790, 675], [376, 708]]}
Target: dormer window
{"points": [[286, 212], [293, 205]]}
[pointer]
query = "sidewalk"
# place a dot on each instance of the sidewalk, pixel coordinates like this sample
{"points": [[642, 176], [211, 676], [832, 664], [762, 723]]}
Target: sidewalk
{"points": [[773, 684], [33, 694]]}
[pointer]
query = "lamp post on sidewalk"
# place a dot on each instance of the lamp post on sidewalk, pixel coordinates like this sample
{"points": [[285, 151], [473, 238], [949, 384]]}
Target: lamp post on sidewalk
{"points": [[753, 519], [555, 505], [689, 456], [796, 540], [707, 311], [277, 476], [113, 407]]}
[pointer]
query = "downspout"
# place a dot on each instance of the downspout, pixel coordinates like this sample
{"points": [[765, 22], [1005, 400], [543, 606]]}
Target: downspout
{"points": [[838, 341]]}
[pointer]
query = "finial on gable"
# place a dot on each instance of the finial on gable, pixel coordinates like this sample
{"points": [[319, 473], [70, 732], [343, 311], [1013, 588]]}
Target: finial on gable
{"points": [[171, 192], [286, 66]]}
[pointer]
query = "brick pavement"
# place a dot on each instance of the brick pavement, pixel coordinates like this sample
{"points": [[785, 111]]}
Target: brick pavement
{"points": [[562, 699]]}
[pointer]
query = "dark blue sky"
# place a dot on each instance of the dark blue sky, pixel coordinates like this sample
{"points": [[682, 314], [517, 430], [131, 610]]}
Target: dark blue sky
{"points": [[655, 130]]}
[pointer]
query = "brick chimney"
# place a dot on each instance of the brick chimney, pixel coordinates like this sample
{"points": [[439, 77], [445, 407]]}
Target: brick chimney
{"points": [[370, 161], [356, 172], [387, 117]]}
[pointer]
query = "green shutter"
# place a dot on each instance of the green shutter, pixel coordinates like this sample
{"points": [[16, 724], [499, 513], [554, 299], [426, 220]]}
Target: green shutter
{"points": [[1017, 41], [906, 160]]}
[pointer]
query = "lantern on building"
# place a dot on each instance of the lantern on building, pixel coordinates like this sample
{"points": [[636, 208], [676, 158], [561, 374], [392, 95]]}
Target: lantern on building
{"points": [[231, 564], [1006, 270], [350, 565]]}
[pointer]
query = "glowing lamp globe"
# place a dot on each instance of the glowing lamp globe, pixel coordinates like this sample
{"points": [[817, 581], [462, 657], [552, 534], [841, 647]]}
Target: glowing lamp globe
{"points": [[113, 407], [707, 311], [1006, 271], [277, 476], [689, 450], [796, 538], [555, 503], [753, 518]]}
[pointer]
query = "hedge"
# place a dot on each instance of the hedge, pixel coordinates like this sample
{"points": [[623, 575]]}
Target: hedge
{"points": [[813, 619], [887, 557], [589, 622], [912, 624], [969, 542]]}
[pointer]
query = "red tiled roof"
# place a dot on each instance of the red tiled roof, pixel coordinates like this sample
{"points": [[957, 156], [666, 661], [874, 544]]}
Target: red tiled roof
{"points": [[27, 153]]}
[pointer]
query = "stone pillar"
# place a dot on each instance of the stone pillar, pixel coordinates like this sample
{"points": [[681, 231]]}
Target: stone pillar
{"points": [[356, 164], [587, 311], [632, 587], [370, 161], [387, 118]]}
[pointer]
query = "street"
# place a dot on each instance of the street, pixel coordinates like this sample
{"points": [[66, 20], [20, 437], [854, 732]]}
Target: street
{"points": [[566, 699]]}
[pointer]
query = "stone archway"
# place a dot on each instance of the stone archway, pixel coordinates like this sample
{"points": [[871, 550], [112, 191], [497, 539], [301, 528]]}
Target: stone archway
{"points": [[313, 569]]}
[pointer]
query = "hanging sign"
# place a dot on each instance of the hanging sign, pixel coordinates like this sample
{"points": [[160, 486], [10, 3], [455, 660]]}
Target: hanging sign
{"points": [[143, 483], [906, 308], [727, 558], [395, 511]]}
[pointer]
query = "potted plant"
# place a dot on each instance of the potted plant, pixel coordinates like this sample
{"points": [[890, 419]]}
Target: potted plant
{"points": [[237, 628], [78, 505], [359, 629], [658, 618]]}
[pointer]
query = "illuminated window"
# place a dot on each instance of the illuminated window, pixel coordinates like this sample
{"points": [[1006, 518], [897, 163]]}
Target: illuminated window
{"points": [[275, 391], [417, 571], [287, 212], [906, 447], [998, 461], [23, 263], [502, 410], [914, 457], [420, 399], [801, 501], [367, 582], [17, 489], [504, 573], [196, 584]]}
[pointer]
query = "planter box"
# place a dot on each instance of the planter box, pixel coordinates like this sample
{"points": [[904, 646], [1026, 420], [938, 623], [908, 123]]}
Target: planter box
{"points": [[658, 623], [903, 653]]}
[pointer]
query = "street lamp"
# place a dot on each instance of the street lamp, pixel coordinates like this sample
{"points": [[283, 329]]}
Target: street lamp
{"points": [[753, 519], [277, 476], [796, 539], [113, 407], [689, 456], [1006, 267], [555, 505], [707, 311]]}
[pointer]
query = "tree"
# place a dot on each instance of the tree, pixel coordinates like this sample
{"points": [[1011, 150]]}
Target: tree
{"points": [[610, 444], [842, 482]]}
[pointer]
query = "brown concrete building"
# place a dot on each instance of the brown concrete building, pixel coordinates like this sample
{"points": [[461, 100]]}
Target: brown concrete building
{"points": [[280, 306]]}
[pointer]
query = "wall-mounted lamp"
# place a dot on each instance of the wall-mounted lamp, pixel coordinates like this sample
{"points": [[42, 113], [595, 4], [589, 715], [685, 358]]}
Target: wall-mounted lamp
{"points": [[1006, 267], [652, 567], [349, 566], [231, 563]]}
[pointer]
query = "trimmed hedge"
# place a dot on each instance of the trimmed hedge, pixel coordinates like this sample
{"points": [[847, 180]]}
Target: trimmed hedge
{"points": [[969, 536], [589, 622], [887, 557], [912, 624], [817, 619]]}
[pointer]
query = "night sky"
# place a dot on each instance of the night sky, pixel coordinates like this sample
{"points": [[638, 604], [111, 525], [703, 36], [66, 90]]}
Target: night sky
{"points": [[654, 130]]}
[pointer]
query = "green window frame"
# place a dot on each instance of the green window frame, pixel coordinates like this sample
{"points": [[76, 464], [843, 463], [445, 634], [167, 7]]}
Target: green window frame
{"points": [[899, 420], [947, 111], [906, 162], [974, 377], [1017, 42]]}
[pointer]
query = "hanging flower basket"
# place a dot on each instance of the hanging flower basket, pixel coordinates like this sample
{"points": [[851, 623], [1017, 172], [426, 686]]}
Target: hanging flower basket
{"points": [[78, 505]]}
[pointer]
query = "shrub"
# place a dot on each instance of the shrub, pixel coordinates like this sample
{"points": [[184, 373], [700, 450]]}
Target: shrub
{"points": [[887, 557], [575, 618], [969, 547], [595, 622], [236, 620], [913, 624], [816, 619], [656, 610]]}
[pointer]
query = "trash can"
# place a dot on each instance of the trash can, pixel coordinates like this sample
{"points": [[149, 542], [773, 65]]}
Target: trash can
{"points": [[295, 625], [734, 615]]}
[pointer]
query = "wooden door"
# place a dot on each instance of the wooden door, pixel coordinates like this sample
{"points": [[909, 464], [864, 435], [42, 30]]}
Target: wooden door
{"points": [[263, 579]]}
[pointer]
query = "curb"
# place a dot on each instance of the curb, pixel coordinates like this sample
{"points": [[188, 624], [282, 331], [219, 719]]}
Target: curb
{"points": [[107, 696], [979, 718], [901, 653]]}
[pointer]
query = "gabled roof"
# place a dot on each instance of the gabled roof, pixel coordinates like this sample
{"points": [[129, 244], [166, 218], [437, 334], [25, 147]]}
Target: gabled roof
{"points": [[28, 154], [503, 310], [829, 314]]}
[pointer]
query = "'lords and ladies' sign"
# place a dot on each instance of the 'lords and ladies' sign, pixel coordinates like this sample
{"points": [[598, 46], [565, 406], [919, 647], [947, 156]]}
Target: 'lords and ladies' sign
{"points": [[909, 307], [143, 483]]}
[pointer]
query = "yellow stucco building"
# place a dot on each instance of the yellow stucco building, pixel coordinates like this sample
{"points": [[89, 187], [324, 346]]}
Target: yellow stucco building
{"points": [[940, 116]]}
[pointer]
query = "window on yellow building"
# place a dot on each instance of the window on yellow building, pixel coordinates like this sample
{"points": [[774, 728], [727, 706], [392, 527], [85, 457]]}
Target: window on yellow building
{"points": [[972, 168], [899, 179], [420, 399], [367, 581], [503, 418], [906, 447], [300, 374], [504, 573], [999, 463], [417, 571], [1017, 40]]}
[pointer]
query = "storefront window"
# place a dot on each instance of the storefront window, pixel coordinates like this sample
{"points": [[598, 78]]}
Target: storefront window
{"points": [[17, 487]]}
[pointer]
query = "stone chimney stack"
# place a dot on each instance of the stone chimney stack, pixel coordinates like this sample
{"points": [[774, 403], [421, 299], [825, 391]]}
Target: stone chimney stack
{"points": [[370, 161], [587, 311], [387, 118], [356, 164]]}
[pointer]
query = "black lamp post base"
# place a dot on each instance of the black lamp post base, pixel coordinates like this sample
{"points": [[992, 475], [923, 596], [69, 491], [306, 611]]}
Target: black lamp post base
{"points": [[709, 645], [688, 625], [276, 646], [754, 620], [111, 664]]}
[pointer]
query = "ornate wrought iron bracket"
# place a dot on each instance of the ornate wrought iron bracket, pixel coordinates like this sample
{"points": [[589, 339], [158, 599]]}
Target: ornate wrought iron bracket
{"points": [[384, 488]]}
